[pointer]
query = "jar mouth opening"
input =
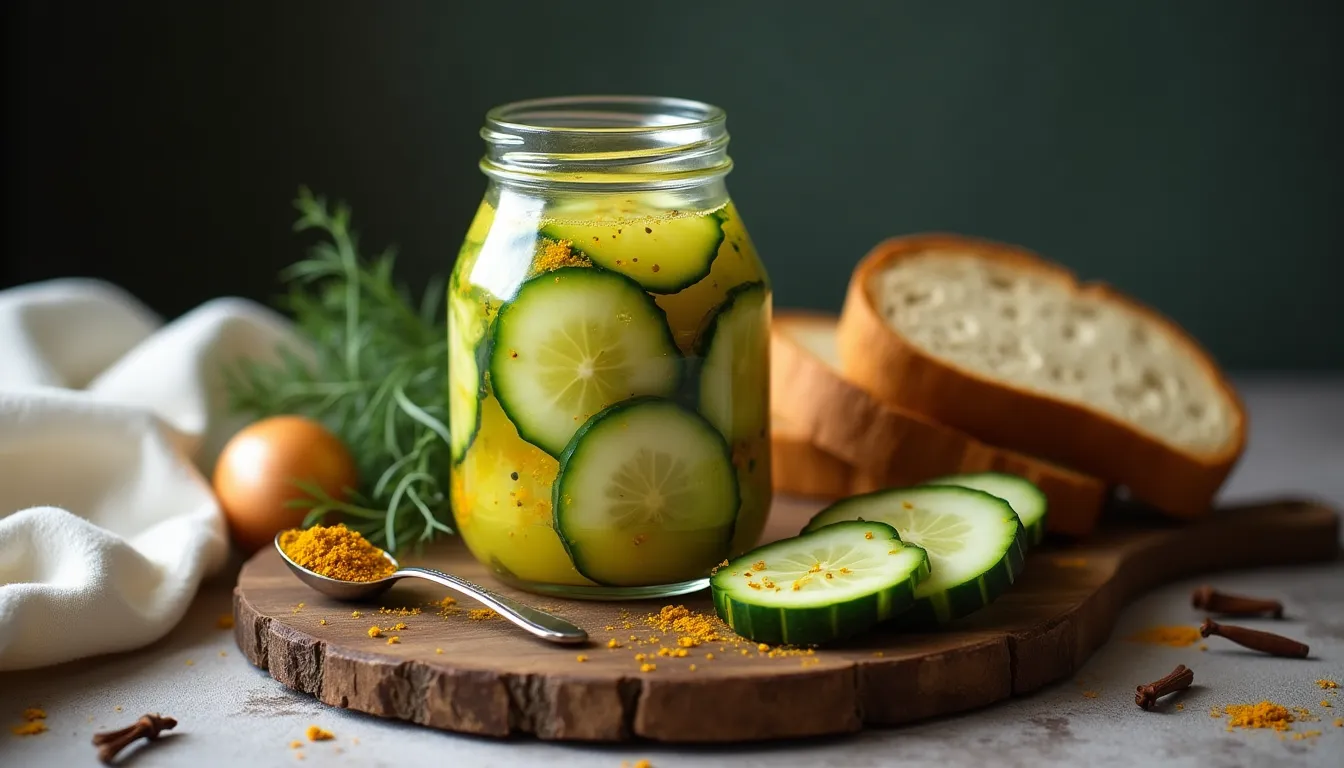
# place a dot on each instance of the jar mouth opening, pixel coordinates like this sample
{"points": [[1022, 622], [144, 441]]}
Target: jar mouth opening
{"points": [[615, 142], [604, 114]]}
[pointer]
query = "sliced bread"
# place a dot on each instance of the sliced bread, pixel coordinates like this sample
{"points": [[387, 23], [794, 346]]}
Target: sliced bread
{"points": [[889, 446], [800, 468], [996, 341]]}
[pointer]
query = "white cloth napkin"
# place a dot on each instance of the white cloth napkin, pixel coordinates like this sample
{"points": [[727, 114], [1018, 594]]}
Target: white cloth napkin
{"points": [[110, 423]]}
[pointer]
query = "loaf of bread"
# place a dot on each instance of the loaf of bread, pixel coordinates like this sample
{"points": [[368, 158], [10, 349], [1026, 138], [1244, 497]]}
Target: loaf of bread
{"points": [[800, 468], [995, 341], [889, 446]]}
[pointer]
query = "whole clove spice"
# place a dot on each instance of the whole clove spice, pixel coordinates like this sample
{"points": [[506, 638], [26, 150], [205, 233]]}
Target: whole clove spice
{"points": [[111, 743], [1181, 677], [1206, 598], [1256, 640]]}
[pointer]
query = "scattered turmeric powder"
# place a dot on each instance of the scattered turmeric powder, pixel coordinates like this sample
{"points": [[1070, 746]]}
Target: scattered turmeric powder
{"points": [[612, 643], [1266, 714], [322, 622], [679, 620], [481, 614], [393, 640], [1325, 703], [296, 744], [554, 254], [225, 621], [581, 658], [374, 631], [314, 733], [1339, 722], [1326, 684], [1174, 636], [34, 722], [30, 728], [647, 667], [336, 552]]}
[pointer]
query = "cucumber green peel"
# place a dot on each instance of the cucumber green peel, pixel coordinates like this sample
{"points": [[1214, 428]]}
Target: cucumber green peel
{"points": [[821, 586]]}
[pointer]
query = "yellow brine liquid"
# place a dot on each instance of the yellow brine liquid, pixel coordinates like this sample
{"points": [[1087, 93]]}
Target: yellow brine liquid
{"points": [[609, 401]]}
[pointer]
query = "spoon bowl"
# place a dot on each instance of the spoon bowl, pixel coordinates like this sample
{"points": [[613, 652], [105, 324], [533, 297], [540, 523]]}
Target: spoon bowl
{"points": [[538, 622]]}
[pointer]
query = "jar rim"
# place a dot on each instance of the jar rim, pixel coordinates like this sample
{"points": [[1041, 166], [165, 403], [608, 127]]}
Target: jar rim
{"points": [[588, 114], [612, 142]]}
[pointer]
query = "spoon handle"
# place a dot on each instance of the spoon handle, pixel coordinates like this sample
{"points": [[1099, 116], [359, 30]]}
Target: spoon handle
{"points": [[539, 623]]}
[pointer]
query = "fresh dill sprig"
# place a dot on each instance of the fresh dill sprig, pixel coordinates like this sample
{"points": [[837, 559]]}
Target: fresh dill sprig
{"points": [[376, 378]]}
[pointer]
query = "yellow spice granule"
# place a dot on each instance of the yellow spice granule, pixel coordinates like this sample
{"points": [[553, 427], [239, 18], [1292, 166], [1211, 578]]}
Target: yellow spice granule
{"points": [[225, 621], [438, 650], [762, 647], [580, 658], [613, 644], [687, 642], [1175, 636], [295, 744], [1325, 684], [759, 565], [398, 626], [223, 653], [679, 620], [481, 614], [709, 657], [393, 640], [1266, 714], [399, 611], [554, 254], [298, 608], [31, 728], [1180, 707], [34, 713], [314, 733], [354, 614], [1089, 694], [374, 631], [1339, 722], [692, 667], [189, 662], [646, 667], [1203, 647]]}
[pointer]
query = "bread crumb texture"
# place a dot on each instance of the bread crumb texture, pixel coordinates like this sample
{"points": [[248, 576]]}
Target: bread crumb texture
{"points": [[1039, 333]]}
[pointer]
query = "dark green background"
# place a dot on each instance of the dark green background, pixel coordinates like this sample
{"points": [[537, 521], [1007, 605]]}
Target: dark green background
{"points": [[1189, 152]]}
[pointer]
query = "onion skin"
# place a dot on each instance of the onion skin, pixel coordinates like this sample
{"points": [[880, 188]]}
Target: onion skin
{"points": [[257, 470]]}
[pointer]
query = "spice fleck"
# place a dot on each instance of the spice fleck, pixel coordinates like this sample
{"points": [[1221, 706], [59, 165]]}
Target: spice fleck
{"points": [[225, 621], [1174, 636], [315, 733]]}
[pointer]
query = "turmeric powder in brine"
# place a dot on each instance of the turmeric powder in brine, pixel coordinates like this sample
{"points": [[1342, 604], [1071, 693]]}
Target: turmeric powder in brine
{"points": [[336, 552]]}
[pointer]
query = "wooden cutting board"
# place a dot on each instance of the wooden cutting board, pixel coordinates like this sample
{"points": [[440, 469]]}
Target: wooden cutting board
{"points": [[488, 677]]}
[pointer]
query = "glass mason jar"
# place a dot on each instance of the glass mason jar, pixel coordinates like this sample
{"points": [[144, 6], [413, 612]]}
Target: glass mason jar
{"points": [[608, 334]]}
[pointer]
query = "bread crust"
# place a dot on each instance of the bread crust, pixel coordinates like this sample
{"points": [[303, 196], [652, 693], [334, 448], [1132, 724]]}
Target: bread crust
{"points": [[901, 374], [799, 468], [891, 447]]}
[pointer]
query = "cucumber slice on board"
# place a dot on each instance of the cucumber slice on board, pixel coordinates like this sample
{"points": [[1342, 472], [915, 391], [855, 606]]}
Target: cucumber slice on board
{"points": [[1021, 494], [664, 254], [832, 583], [975, 543], [646, 495], [572, 342], [735, 370]]}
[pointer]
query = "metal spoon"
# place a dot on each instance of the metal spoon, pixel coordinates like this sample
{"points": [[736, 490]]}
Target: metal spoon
{"points": [[539, 623]]}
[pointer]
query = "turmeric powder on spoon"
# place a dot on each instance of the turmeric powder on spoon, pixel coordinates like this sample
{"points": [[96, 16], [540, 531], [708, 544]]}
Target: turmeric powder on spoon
{"points": [[336, 552]]}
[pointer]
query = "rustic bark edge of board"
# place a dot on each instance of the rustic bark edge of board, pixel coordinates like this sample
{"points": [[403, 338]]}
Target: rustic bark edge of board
{"points": [[1010, 648]]}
